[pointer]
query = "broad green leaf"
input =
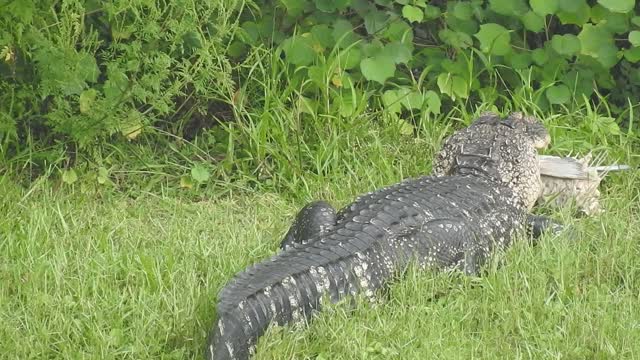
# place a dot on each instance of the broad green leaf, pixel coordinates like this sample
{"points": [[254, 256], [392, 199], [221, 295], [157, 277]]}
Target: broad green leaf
{"points": [[410, 99], [420, 3], [544, 7], [558, 94], [345, 103], [375, 21], [566, 44], [615, 22], [509, 7], [433, 102], [399, 30], [322, 33], [69, 176], [378, 68], [634, 38], [250, 33], [520, 60], [463, 10], [343, 33], [571, 5], [372, 48], [533, 22], [294, 7], [636, 20], [299, 50], [469, 27], [236, 49], [592, 38], [452, 85], [578, 17], [412, 13], [488, 94], [598, 43], [399, 52], [432, 12], [632, 55], [613, 128], [494, 39], [362, 7], [460, 66], [391, 101], [200, 173], [540, 56], [87, 99], [317, 75], [349, 58], [456, 39], [330, 6], [620, 6], [579, 82], [308, 106]]}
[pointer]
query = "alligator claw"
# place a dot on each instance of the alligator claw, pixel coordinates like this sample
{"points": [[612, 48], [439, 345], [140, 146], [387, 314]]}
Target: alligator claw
{"points": [[538, 225]]}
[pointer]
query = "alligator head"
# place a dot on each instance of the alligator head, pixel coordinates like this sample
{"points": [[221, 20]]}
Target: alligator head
{"points": [[501, 149]]}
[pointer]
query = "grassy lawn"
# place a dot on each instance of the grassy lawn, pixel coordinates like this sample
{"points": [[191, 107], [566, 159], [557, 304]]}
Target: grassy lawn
{"points": [[109, 276]]}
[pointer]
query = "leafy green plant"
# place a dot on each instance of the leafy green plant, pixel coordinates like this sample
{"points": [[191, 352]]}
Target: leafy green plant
{"points": [[88, 73], [460, 52]]}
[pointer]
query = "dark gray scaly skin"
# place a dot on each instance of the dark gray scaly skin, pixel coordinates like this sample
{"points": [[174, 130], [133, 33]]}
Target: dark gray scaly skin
{"points": [[316, 218], [487, 181]]}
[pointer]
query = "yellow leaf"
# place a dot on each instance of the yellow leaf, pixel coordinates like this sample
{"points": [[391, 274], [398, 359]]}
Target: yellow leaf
{"points": [[318, 48], [185, 182], [132, 132], [133, 126], [8, 54], [336, 80]]}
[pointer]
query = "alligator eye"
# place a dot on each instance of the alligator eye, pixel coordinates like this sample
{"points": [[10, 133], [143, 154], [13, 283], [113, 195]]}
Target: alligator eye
{"points": [[509, 123]]}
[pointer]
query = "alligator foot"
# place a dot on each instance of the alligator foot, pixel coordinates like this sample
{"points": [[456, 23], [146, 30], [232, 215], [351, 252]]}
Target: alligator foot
{"points": [[538, 225], [315, 218]]}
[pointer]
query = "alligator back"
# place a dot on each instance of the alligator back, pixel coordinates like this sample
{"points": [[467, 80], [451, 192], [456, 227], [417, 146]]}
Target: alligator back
{"points": [[440, 222], [488, 178]]}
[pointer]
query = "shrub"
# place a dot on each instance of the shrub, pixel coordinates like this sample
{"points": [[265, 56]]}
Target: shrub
{"points": [[422, 55], [85, 72]]}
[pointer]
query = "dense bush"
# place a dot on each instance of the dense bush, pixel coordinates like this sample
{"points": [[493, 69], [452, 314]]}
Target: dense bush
{"points": [[79, 73], [84, 71]]}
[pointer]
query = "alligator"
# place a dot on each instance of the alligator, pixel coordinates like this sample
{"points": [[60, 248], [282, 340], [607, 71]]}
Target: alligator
{"points": [[477, 202]]}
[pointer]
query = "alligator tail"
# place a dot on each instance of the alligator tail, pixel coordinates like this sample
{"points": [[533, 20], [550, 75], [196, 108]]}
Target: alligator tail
{"points": [[228, 340], [238, 328]]}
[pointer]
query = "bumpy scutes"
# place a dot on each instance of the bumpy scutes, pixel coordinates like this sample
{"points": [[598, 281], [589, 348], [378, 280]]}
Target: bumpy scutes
{"points": [[509, 146]]}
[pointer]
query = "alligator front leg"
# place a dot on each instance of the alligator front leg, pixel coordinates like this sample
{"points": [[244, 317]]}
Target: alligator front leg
{"points": [[538, 225], [447, 244], [315, 218]]}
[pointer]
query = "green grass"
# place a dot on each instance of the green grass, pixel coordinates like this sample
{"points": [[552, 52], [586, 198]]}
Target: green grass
{"points": [[130, 269], [108, 276]]}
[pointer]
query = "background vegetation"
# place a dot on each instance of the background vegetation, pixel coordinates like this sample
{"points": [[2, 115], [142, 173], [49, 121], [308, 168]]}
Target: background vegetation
{"points": [[189, 92], [151, 149]]}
